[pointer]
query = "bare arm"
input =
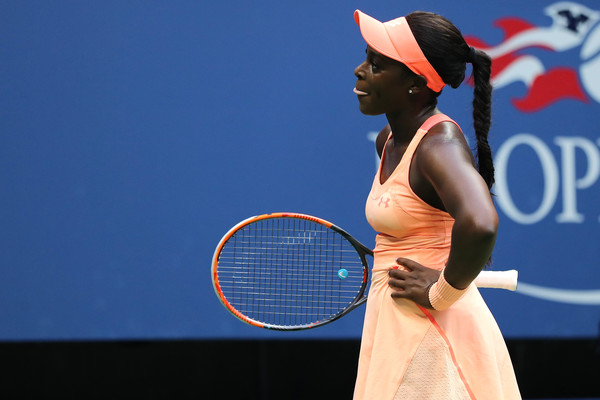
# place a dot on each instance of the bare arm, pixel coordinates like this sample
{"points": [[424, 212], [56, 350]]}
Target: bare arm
{"points": [[444, 163], [448, 166]]}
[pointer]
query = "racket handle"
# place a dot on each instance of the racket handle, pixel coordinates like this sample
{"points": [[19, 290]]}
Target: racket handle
{"points": [[498, 279]]}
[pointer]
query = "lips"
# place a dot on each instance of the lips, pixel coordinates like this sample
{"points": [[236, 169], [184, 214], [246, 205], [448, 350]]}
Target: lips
{"points": [[359, 92]]}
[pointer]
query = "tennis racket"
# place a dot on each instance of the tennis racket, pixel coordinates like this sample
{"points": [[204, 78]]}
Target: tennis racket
{"points": [[288, 271]]}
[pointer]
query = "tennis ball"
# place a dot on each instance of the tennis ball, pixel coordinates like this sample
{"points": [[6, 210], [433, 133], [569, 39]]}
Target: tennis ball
{"points": [[343, 273]]}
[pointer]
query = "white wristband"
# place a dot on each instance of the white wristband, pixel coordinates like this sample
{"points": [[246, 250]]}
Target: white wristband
{"points": [[442, 295]]}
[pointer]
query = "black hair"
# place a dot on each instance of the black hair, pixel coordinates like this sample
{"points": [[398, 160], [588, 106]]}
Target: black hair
{"points": [[447, 51]]}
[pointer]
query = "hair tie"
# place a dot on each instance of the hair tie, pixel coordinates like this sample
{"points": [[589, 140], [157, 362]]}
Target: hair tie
{"points": [[471, 55]]}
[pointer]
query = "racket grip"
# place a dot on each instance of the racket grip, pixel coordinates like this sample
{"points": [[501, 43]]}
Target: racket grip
{"points": [[498, 279]]}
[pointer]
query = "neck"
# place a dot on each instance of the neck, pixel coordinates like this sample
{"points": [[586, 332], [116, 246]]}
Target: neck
{"points": [[404, 125]]}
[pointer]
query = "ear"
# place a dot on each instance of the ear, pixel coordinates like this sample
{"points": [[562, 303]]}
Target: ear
{"points": [[419, 83]]}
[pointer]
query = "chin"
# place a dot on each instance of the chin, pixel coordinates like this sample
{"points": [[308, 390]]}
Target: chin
{"points": [[366, 111], [363, 109]]}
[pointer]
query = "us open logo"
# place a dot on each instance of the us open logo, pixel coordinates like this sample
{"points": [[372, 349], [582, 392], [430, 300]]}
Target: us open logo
{"points": [[574, 27], [525, 56]]}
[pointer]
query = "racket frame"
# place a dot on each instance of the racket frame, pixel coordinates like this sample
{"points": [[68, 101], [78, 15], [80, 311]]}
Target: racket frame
{"points": [[361, 249]]}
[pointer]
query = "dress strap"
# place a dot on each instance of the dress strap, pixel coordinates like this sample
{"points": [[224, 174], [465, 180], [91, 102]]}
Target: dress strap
{"points": [[436, 119]]}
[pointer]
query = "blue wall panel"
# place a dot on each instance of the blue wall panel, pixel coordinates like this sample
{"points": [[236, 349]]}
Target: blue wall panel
{"points": [[134, 134]]}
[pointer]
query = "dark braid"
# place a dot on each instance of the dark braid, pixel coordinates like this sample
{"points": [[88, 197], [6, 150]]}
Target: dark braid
{"points": [[446, 50], [482, 113]]}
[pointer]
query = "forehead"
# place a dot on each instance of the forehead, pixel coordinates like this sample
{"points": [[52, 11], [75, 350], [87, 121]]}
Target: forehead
{"points": [[374, 53], [371, 52]]}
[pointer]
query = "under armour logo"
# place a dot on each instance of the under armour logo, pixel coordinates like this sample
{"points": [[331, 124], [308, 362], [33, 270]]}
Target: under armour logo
{"points": [[385, 202]]}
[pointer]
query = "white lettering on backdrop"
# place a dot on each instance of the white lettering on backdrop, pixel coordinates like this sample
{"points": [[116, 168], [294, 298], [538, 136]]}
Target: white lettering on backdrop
{"points": [[571, 184]]}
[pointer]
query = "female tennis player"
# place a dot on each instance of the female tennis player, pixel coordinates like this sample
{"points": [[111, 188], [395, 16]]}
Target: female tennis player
{"points": [[427, 331]]}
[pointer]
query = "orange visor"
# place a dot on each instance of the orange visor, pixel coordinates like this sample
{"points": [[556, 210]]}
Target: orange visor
{"points": [[395, 40]]}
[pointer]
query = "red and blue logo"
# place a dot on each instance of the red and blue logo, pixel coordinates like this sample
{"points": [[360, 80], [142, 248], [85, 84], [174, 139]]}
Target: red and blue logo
{"points": [[528, 55]]}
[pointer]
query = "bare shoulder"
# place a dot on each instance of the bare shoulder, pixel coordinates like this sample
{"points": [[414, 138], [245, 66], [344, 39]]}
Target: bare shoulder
{"points": [[444, 141]]}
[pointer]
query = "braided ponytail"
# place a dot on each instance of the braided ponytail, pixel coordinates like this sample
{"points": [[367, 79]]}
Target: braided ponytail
{"points": [[446, 50], [482, 110]]}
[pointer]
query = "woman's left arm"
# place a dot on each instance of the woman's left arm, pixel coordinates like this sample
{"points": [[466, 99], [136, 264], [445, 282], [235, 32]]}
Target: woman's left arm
{"points": [[448, 166], [446, 163]]}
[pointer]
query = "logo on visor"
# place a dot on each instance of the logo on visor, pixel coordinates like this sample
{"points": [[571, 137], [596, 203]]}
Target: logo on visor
{"points": [[555, 63]]}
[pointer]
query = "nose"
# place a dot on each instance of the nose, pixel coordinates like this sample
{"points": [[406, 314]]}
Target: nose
{"points": [[359, 71]]}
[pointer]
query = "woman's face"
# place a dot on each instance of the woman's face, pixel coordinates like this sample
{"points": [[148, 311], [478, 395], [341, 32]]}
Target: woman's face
{"points": [[382, 84]]}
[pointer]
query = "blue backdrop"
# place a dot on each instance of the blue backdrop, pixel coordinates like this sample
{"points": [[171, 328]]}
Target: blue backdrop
{"points": [[134, 134]]}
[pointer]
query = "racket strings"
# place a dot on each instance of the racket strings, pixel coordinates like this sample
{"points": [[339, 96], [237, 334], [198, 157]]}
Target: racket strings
{"points": [[284, 271]]}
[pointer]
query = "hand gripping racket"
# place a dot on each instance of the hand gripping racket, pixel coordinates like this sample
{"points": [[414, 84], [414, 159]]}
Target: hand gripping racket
{"points": [[288, 271]]}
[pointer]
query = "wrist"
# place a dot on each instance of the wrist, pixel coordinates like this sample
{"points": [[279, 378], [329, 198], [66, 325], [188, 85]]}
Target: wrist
{"points": [[442, 295]]}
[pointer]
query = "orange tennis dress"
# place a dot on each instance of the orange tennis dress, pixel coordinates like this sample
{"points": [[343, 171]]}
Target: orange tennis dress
{"points": [[408, 352]]}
